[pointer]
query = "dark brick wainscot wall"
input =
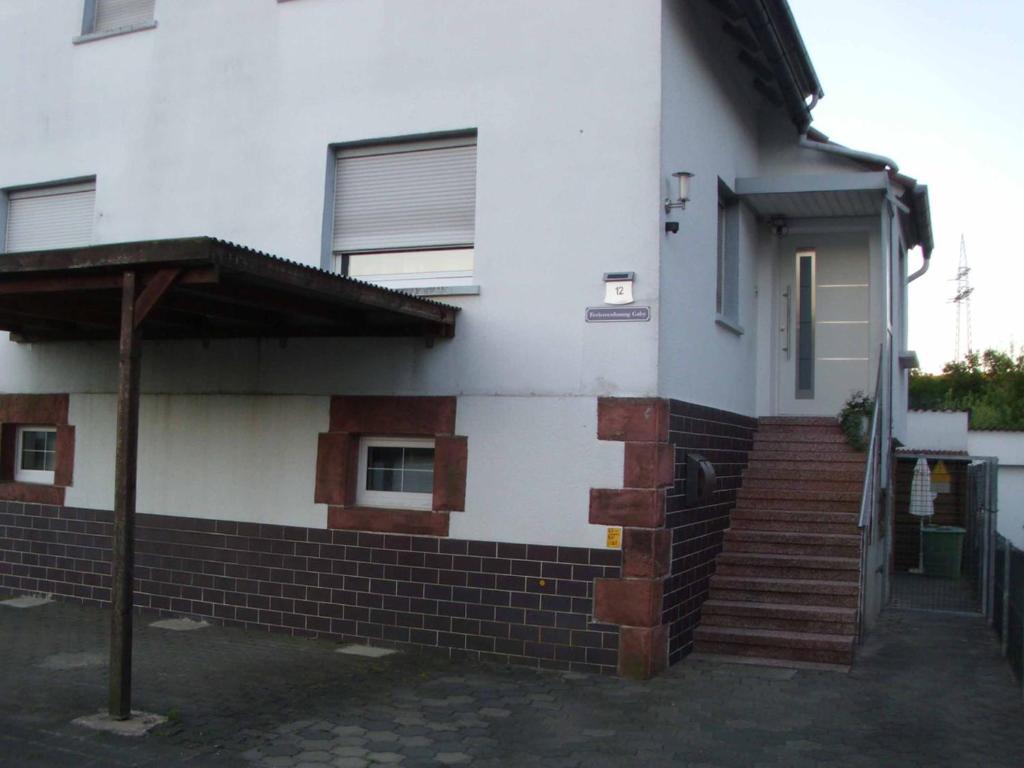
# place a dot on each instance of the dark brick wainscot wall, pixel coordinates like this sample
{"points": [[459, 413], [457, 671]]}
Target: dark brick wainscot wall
{"points": [[511, 603]]}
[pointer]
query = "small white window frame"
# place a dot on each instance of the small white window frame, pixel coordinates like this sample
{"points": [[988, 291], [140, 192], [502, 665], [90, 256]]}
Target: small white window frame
{"points": [[33, 476], [390, 499]]}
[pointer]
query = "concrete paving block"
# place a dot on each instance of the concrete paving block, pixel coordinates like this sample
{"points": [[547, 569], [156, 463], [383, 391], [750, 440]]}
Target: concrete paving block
{"points": [[453, 758], [385, 758], [495, 712], [379, 736], [349, 751], [348, 730], [314, 756]]}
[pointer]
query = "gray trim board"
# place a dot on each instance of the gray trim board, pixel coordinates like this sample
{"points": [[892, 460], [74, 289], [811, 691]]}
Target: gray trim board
{"points": [[829, 182]]}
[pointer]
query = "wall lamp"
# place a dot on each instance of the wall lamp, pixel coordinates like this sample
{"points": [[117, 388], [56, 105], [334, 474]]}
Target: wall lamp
{"points": [[683, 180], [779, 226]]}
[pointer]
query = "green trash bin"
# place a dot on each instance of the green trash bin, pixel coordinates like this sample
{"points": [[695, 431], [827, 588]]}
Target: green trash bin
{"points": [[943, 550]]}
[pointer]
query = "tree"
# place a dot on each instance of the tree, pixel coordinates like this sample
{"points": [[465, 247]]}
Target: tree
{"points": [[990, 386]]}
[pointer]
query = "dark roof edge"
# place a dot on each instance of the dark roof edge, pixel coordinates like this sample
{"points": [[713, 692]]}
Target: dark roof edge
{"points": [[775, 28]]}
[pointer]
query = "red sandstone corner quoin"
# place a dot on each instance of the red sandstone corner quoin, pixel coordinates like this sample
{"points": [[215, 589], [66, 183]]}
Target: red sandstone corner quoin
{"points": [[338, 459], [48, 410], [634, 602]]}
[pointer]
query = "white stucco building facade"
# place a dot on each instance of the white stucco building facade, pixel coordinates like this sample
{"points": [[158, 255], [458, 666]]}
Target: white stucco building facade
{"points": [[235, 120]]}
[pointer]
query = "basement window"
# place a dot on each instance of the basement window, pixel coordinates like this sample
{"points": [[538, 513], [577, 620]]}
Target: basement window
{"points": [[36, 455], [396, 473]]}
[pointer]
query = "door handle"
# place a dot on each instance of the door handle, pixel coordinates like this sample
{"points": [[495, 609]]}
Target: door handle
{"points": [[788, 296]]}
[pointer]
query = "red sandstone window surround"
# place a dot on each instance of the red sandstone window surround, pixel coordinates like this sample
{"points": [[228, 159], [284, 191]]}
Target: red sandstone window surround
{"points": [[338, 462], [46, 412]]}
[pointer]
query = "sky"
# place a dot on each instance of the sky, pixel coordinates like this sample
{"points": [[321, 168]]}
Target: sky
{"points": [[938, 86]]}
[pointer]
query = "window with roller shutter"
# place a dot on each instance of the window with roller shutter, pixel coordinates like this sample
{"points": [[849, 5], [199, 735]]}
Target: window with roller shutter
{"points": [[51, 216], [111, 17], [404, 213]]}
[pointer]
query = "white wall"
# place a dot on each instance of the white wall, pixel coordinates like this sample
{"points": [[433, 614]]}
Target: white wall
{"points": [[225, 458], [939, 431], [709, 127], [532, 462], [218, 122], [1008, 447]]}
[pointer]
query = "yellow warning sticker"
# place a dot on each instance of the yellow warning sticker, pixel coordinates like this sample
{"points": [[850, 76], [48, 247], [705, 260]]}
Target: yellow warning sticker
{"points": [[941, 478], [615, 538]]}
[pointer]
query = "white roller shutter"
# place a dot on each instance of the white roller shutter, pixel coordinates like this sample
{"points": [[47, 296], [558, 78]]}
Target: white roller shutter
{"points": [[50, 217], [115, 14], [412, 195]]}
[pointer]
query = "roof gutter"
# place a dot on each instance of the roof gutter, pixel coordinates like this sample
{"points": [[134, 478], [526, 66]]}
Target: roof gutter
{"points": [[918, 209], [773, 25], [853, 154]]}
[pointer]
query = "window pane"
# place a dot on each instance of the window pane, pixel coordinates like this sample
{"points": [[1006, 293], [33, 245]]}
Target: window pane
{"points": [[419, 458], [384, 457], [720, 285], [383, 480], [34, 460], [418, 482], [805, 326], [410, 262], [33, 440]]}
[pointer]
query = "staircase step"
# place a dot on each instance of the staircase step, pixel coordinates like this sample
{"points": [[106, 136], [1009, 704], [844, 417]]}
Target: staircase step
{"points": [[837, 594], [798, 421], [792, 435], [796, 521], [774, 644], [788, 566], [823, 483], [839, 474], [785, 617], [805, 459], [800, 505], [797, 493], [837, 448], [792, 543]]}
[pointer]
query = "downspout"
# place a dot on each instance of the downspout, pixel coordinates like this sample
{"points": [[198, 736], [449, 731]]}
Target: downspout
{"points": [[923, 269], [868, 157]]}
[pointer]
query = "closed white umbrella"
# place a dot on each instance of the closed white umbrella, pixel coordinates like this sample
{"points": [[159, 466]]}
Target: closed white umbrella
{"points": [[922, 504]]}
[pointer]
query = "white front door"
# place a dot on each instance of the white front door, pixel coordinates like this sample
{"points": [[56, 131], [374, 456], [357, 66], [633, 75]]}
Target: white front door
{"points": [[822, 350]]}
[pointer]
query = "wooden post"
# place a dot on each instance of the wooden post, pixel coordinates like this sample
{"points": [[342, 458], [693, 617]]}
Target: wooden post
{"points": [[122, 587]]}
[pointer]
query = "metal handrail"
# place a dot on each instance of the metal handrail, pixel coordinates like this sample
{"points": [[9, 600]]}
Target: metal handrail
{"points": [[867, 494], [867, 500]]}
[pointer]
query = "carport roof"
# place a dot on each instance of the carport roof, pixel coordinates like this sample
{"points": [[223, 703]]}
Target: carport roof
{"points": [[201, 288]]}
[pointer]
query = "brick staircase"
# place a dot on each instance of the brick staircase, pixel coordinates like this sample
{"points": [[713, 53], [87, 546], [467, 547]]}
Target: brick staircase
{"points": [[786, 584]]}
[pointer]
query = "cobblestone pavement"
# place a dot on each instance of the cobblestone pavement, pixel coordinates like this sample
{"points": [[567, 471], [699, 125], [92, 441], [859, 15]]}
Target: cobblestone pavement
{"points": [[927, 690]]}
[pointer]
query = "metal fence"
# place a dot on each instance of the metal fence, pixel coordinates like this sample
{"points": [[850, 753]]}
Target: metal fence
{"points": [[1007, 615]]}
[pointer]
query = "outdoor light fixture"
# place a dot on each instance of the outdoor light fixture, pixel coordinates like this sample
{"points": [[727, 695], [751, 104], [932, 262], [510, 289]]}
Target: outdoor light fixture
{"points": [[779, 226], [683, 179]]}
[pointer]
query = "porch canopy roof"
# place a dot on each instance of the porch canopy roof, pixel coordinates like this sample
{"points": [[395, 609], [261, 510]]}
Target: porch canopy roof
{"points": [[853, 193], [199, 288]]}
